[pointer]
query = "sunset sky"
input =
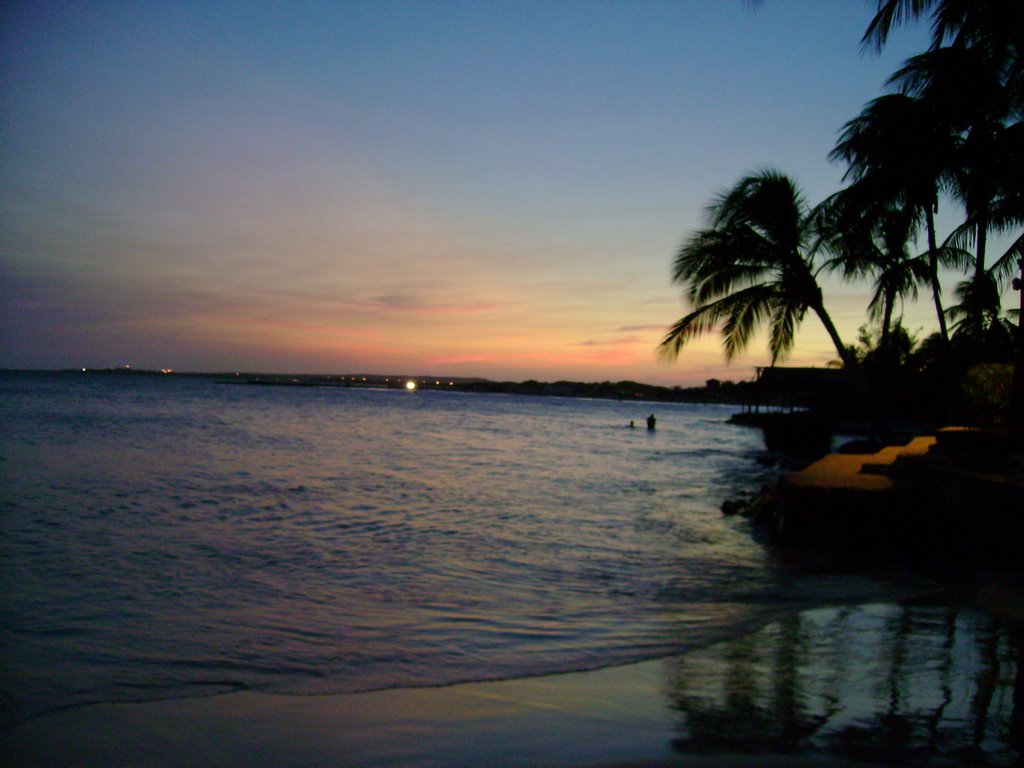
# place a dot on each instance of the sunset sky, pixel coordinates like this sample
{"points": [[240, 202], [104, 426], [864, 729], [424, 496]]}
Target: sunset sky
{"points": [[449, 188]]}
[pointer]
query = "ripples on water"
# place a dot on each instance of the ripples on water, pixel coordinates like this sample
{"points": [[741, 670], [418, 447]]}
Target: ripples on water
{"points": [[175, 536]]}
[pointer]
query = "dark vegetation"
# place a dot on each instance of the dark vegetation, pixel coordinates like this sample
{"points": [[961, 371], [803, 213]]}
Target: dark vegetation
{"points": [[948, 133]]}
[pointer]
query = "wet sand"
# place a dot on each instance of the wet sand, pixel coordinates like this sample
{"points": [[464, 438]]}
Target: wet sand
{"points": [[609, 718], [939, 682]]}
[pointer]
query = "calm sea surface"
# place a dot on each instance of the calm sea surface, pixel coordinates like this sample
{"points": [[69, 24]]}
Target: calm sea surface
{"points": [[174, 537]]}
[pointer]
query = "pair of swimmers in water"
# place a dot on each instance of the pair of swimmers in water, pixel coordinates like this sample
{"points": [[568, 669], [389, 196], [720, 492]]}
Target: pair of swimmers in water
{"points": [[651, 421]]}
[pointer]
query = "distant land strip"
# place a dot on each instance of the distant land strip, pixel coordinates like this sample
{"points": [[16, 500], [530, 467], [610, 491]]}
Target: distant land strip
{"points": [[713, 391]]}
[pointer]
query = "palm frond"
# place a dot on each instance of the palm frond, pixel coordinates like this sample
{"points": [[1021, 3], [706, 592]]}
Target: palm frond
{"points": [[1006, 266], [953, 256], [728, 280], [896, 152], [979, 301], [786, 316], [919, 272], [738, 314], [709, 251], [876, 305], [963, 237], [748, 311], [767, 202], [891, 14]]}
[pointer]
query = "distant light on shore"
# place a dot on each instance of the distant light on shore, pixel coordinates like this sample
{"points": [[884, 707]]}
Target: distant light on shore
{"points": [[410, 385]]}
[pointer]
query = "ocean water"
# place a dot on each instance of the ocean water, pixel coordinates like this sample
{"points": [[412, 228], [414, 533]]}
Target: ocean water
{"points": [[168, 537]]}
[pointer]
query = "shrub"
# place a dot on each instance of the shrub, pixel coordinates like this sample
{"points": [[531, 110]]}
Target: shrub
{"points": [[987, 393]]}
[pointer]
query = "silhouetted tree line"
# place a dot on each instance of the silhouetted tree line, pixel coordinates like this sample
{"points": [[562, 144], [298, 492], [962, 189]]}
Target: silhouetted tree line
{"points": [[948, 130]]}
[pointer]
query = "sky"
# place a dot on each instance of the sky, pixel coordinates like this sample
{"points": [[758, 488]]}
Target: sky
{"points": [[492, 189]]}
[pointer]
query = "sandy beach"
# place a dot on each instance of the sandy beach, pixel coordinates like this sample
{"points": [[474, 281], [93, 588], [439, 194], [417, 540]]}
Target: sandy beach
{"points": [[613, 717], [932, 683]]}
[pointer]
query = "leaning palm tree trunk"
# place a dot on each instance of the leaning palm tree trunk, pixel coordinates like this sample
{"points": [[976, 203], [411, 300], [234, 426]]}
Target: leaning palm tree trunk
{"points": [[848, 358]]}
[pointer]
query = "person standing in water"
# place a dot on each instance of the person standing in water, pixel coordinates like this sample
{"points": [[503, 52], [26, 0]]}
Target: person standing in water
{"points": [[651, 421]]}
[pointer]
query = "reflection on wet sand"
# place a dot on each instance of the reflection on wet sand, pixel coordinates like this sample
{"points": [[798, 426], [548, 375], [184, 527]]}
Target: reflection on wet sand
{"points": [[894, 683]]}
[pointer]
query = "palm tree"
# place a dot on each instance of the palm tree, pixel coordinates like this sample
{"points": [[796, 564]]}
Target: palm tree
{"points": [[964, 86], [868, 237], [997, 28], [977, 318], [899, 151], [752, 266], [1008, 208]]}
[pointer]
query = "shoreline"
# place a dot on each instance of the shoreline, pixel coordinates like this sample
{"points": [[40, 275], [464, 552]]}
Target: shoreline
{"points": [[874, 586], [800, 690]]}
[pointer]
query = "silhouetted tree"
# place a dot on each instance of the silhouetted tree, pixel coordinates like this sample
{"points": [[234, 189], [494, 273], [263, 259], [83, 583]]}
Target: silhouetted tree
{"points": [[752, 266], [963, 87], [900, 152], [870, 238]]}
